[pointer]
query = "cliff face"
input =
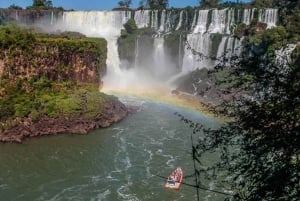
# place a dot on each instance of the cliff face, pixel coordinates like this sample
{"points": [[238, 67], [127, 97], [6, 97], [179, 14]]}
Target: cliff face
{"points": [[49, 85], [57, 59]]}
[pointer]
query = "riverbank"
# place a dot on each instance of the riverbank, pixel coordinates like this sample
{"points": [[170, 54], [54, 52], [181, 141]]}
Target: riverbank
{"points": [[112, 112]]}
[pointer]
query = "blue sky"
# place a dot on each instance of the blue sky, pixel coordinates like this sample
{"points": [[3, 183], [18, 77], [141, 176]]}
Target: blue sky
{"points": [[94, 4]]}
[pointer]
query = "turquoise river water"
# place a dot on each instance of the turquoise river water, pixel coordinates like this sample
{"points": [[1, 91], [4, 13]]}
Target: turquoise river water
{"points": [[117, 163]]}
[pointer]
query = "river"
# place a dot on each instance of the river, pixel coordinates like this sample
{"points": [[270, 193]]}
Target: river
{"points": [[117, 163]]}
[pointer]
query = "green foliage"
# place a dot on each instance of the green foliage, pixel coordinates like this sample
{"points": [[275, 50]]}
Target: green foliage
{"points": [[35, 48], [154, 4], [209, 3], [41, 94], [125, 3], [171, 43], [15, 7], [50, 98], [130, 26], [12, 36], [239, 30], [125, 44], [263, 3], [263, 45], [295, 56], [293, 22], [41, 4]]}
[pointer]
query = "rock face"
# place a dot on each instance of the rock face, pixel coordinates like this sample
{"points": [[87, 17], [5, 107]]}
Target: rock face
{"points": [[50, 85], [59, 60]]}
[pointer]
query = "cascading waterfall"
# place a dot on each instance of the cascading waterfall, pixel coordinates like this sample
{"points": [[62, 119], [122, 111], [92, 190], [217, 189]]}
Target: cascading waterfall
{"points": [[268, 16], [200, 43], [180, 21], [162, 21], [17, 15], [154, 19], [210, 35], [158, 56], [201, 24], [142, 18], [104, 24], [218, 21], [212, 30], [52, 18]]}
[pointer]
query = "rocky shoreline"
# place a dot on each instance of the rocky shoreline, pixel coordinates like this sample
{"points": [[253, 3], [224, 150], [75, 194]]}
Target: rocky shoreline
{"points": [[113, 111]]}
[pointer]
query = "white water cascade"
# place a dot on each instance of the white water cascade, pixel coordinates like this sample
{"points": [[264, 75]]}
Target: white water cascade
{"points": [[142, 18], [105, 24], [162, 65], [268, 16], [211, 38], [180, 21]]}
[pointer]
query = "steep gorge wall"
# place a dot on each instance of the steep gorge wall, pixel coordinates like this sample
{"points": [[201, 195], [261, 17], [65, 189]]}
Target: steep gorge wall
{"points": [[57, 59]]}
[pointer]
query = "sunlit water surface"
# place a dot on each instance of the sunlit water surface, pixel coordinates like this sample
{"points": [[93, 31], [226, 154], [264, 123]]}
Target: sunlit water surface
{"points": [[117, 163]]}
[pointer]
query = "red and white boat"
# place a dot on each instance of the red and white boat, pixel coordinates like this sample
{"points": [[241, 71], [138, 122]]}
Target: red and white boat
{"points": [[175, 179]]}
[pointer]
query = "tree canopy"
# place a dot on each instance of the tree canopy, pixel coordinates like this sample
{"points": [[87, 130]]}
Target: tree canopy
{"points": [[154, 4], [209, 3], [41, 4], [125, 3]]}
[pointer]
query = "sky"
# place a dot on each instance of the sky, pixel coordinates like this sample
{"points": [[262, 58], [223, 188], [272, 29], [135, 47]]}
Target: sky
{"points": [[94, 4]]}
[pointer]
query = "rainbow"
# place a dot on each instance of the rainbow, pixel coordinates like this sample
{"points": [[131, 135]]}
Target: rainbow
{"points": [[163, 95]]}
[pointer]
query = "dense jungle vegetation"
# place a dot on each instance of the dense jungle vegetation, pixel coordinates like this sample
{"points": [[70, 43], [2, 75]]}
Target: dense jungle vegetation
{"points": [[40, 94]]}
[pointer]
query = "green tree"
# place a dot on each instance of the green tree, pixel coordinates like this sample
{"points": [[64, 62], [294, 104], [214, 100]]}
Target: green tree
{"points": [[263, 3], [125, 3], [209, 3], [130, 26], [15, 7], [42, 4], [154, 4]]}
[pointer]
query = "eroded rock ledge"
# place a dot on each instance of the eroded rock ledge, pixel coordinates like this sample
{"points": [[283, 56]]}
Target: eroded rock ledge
{"points": [[113, 111]]}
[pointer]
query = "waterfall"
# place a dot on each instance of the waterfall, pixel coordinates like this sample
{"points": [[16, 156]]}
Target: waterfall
{"points": [[106, 24], [180, 51], [248, 15], [218, 21], [268, 16], [158, 56], [17, 15], [283, 55], [194, 20], [142, 18], [162, 21], [202, 21], [52, 16], [210, 37], [154, 19], [200, 43], [136, 60], [180, 21]]}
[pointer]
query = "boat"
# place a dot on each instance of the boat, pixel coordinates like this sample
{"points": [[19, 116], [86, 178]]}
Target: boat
{"points": [[175, 179]]}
